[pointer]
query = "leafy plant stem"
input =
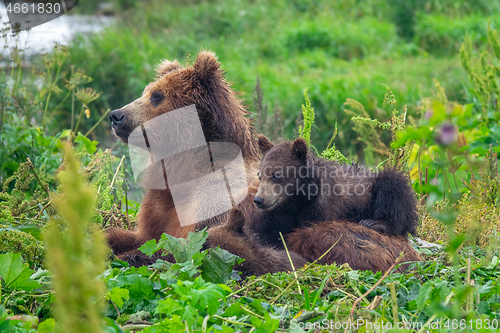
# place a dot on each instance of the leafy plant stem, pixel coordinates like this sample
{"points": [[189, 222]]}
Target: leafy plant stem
{"points": [[251, 312], [47, 205], [49, 74], [98, 122], [117, 169], [72, 109], [155, 273], [446, 302], [373, 287], [303, 270], [42, 185], [78, 122], [232, 321], [1, 115], [131, 327], [63, 100], [469, 304], [246, 287], [27, 219], [394, 301], [291, 262]]}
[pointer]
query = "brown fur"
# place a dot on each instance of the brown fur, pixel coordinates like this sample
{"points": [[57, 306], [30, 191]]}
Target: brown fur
{"points": [[223, 119], [259, 259], [360, 247], [296, 186]]}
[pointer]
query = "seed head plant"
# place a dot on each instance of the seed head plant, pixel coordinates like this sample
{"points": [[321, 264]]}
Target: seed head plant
{"points": [[74, 258]]}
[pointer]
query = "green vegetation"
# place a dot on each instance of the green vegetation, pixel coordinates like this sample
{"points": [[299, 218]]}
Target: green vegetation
{"points": [[345, 49], [413, 84]]}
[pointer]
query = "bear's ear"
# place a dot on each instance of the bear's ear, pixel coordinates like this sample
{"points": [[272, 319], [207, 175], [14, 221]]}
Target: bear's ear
{"points": [[166, 66], [299, 149], [264, 144], [207, 68]]}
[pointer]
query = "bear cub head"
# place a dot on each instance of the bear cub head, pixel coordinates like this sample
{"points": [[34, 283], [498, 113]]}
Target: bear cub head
{"points": [[284, 174]]}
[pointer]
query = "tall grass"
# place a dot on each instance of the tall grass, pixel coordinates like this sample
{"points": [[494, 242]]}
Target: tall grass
{"points": [[345, 49]]}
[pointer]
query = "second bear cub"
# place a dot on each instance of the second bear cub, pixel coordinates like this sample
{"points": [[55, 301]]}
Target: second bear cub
{"points": [[296, 186]]}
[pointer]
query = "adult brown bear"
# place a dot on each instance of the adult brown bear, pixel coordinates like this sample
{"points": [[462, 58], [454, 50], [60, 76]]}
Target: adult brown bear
{"points": [[222, 119]]}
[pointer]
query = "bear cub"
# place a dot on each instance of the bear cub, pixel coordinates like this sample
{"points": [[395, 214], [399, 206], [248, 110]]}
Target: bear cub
{"points": [[297, 187]]}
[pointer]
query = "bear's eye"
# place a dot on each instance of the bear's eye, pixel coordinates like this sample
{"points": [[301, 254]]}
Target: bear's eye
{"points": [[156, 98], [277, 175]]}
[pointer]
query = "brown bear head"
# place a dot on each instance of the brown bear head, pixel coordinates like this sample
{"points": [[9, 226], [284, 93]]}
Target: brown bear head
{"points": [[284, 173], [221, 114]]}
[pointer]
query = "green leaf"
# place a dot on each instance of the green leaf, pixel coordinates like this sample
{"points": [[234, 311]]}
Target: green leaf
{"points": [[173, 324], [207, 297], [168, 306], [189, 315], [65, 134], [85, 144], [112, 326], [117, 295], [15, 273], [234, 310], [217, 265], [149, 248], [439, 113], [183, 249], [189, 268], [47, 326], [424, 295], [138, 286], [271, 325], [139, 316]]}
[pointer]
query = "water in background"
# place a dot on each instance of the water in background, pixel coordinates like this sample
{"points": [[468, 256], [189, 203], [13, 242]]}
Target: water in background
{"points": [[41, 39]]}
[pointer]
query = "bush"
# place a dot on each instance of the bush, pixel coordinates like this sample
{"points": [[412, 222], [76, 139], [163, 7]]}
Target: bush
{"points": [[441, 34]]}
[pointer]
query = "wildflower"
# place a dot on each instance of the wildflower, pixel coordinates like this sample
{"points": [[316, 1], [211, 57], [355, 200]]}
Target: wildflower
{"points": [[87, 95], [447, 134]]}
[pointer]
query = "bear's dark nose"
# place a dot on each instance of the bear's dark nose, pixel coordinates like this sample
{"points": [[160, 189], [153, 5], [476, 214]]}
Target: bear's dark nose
{"points": [[258, 201], [117, 118]]}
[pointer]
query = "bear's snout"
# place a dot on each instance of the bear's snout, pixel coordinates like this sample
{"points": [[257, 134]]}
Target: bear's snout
{"points": [[117, 118], [121, 124], [259, 202]]}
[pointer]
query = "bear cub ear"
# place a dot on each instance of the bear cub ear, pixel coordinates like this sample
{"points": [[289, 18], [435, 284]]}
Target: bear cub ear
{"points": [[299, 149], [264, 144]]}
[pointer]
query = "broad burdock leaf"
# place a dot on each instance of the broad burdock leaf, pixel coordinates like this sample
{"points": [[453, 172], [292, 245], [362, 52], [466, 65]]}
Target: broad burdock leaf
{"points": [[168, 306], [217, 267], [424, 295], [138, 286], [149, 248], [206, 295], [189, 315], [117, 295], [183, 249], [15, 273]]}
